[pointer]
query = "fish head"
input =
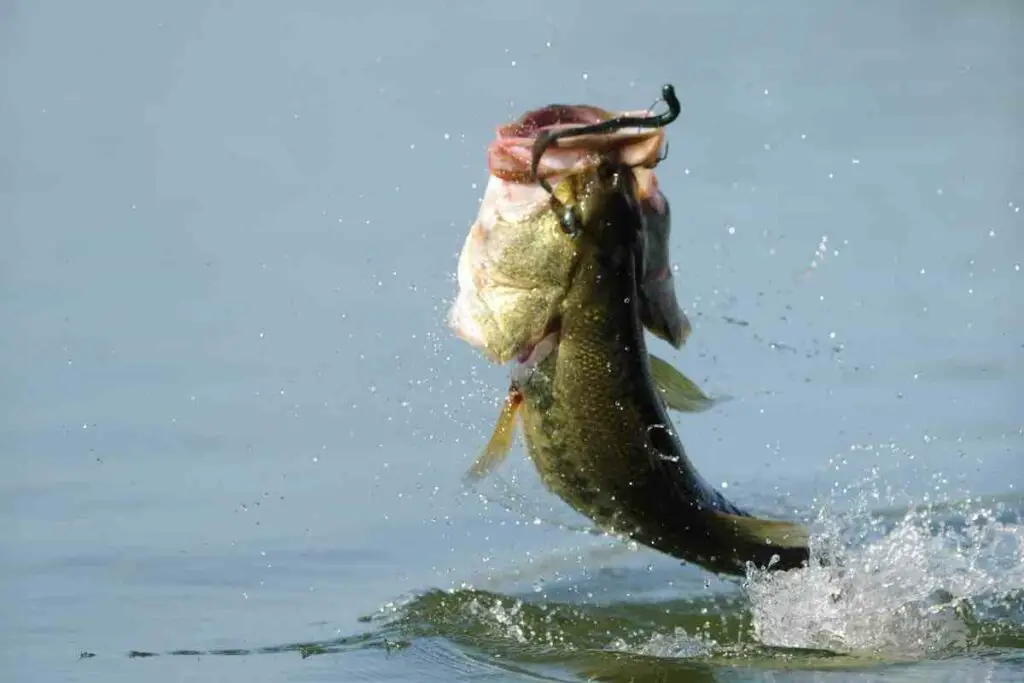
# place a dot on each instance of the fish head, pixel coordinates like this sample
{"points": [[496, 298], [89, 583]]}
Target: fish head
{"points": [[516, 264], [514, 269]]}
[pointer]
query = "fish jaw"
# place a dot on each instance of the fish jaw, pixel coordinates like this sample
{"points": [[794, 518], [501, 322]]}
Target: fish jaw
{"points": [[513, 272]]}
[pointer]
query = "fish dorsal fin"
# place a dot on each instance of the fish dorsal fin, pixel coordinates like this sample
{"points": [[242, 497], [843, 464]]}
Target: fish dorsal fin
{"points": [[498, 447], [678, 391]]}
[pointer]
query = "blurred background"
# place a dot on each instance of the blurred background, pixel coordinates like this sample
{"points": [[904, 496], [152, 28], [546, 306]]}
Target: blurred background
{"points": [[232, 415]]}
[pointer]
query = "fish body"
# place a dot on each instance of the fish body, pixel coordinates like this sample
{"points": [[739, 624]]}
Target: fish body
{"points": [[597, 429], [570, 312]]}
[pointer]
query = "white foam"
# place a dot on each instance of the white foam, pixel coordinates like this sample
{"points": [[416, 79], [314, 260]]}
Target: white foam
{"points": [[907, 594]]}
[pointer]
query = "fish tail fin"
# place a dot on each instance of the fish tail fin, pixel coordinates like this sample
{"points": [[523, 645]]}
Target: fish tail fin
{"points": [[768, 543]]}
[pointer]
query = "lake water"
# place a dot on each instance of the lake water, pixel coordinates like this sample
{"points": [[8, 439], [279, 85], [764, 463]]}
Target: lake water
{"points": [[234, 425]]}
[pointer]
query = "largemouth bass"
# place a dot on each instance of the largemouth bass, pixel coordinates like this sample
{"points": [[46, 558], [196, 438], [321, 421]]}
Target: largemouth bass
{"points": [[591, 401]]}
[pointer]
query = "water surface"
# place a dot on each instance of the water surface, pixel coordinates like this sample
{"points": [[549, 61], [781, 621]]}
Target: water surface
{"points": [[234, 422]]}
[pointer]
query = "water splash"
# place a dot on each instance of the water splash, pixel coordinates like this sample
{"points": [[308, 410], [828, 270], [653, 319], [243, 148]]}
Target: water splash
{"points": [[934, 581], [913, 591], [675, 645]]}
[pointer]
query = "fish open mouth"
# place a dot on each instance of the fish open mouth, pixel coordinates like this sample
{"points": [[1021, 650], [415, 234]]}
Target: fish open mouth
{"points": [[512, 275], [552, 116], [510, 155]]}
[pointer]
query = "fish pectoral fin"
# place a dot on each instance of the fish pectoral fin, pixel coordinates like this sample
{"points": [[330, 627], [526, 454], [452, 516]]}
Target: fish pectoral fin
{"points": [[501, 440], [678, 391], [770, 532]]}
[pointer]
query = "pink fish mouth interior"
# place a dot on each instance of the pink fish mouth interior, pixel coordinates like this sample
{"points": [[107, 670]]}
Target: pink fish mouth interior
{"points": [[510, 155], [550, 116]]}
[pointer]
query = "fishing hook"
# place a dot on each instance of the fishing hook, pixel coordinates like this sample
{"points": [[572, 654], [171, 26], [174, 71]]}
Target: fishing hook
{"points": [[567, 214]]}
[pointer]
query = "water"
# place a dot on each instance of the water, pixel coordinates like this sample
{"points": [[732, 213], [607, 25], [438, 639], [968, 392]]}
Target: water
{"points": [[234, 426]]}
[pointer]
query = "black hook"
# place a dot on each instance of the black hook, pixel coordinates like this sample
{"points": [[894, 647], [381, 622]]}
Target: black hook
{"points": [[568, 218]]}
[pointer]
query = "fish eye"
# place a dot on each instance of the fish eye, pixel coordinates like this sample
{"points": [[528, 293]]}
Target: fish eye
{"points": [[568, 221]]}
